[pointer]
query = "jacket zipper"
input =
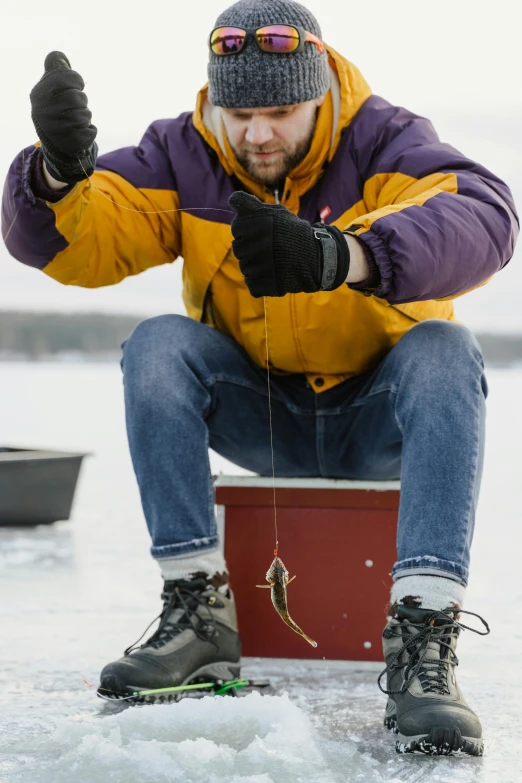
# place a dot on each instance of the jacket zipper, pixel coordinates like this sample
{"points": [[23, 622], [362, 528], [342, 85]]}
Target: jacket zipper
{"points": [[208, 308]]}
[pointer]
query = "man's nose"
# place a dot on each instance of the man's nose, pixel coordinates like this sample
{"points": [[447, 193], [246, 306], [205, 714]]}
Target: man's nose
{"points": [[259, 132]]}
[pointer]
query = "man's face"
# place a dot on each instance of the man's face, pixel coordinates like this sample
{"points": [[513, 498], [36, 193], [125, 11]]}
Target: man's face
{"points": [[270, 142]]}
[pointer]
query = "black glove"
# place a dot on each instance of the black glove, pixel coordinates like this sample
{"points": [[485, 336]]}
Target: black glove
{"points": [[63, 121], [281, 254]]}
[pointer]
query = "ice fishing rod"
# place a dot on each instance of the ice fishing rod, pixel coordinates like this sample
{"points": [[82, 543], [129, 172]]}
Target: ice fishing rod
{"points": [[217, 688]]}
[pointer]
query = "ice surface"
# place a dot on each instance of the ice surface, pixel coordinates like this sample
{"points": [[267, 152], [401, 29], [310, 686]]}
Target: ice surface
{"points": [[73, 595]]}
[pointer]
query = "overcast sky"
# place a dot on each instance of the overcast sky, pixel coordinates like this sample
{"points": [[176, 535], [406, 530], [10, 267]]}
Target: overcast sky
{"points": [[457, 62]]}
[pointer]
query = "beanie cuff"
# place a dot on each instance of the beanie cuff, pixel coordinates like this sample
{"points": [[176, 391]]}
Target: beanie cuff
{"points": [[256, 83]]}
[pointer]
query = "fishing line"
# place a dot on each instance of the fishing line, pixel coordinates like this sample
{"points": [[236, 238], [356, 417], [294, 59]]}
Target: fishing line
{"points": [[271, 428], [12, 224], [186, 209], [18, 210], [151, 212]]}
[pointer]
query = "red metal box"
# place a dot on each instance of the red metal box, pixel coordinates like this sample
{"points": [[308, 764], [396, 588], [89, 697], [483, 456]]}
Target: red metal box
{"points": [[338, 537]]}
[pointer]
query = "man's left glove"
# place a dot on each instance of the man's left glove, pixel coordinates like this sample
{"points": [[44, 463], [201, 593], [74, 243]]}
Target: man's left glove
{"points": [[281, 254]]}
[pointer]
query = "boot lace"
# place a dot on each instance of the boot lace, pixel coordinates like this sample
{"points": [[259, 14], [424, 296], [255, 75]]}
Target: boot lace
{"points": [[432, 673], [189, 601]]}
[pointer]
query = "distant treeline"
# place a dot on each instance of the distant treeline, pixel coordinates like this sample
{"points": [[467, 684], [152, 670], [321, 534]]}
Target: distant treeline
{"points": [[37, 336], [501, 349]]}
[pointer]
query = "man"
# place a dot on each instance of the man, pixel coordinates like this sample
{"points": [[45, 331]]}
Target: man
{"points": [[353, 230]]}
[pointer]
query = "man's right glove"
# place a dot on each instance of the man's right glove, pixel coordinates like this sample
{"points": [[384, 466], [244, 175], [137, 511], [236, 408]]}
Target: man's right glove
{"points": [[63, 121], [280, 254]]}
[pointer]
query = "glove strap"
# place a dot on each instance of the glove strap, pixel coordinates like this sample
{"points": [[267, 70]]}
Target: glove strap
{"points": [[329, 253], [68, 169]]}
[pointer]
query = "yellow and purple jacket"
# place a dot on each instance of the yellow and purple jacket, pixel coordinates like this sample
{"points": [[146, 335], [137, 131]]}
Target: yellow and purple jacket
{"points": [[436, 223]]}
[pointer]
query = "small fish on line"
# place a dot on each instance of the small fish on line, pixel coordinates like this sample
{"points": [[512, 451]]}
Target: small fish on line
{"points": [[278, 577]]}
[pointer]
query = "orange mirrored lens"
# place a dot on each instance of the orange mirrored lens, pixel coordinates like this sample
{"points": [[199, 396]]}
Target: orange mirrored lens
{"points": [[278, 38], [227, 40]]}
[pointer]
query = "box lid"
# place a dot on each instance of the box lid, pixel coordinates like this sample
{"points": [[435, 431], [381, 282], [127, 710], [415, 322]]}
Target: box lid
{"points": [[223, 480], [305, 492]]}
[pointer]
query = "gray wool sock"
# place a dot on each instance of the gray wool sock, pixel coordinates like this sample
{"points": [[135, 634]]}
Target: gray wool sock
{"points": [[210, 564], [427, 592]]}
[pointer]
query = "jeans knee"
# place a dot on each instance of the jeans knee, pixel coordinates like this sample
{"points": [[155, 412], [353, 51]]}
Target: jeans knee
{"points": [[443, 353], [444, 340], [150, 353], [156, 336]]}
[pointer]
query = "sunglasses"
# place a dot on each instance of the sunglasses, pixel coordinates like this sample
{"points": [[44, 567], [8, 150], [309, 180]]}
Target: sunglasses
{"points": [[274, 38]]}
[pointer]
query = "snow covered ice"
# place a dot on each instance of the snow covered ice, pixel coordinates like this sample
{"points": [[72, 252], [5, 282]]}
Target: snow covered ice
{"points": [[74, 595], [159, 743]]}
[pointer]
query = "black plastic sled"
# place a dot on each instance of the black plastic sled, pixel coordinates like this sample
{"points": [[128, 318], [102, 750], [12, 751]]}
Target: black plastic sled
{"points": [[37, 487]]}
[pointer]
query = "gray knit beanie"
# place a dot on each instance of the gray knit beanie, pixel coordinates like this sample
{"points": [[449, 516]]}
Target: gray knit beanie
{"points": [[253, 78]]}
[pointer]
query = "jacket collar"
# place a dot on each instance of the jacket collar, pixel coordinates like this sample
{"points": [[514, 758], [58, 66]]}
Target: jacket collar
{"points": [[348, 91]]}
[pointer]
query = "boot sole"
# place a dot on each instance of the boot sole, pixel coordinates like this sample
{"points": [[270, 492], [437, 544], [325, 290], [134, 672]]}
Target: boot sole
{"points": [[441, 741], [212, 672]]}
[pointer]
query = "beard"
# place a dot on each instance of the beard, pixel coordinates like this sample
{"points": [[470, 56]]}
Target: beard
{"points": [[273, 173]]}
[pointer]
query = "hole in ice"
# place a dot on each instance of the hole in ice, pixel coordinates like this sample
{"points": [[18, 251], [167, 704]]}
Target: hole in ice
{"points": [[253, 739]]}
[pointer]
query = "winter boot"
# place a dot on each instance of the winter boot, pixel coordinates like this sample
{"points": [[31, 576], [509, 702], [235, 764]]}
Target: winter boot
{"points": [[425, 705], [196, 641]]}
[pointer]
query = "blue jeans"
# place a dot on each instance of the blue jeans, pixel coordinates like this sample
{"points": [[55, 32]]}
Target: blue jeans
{"points": [[418, 416]]}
